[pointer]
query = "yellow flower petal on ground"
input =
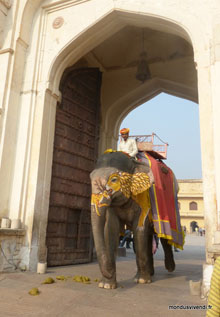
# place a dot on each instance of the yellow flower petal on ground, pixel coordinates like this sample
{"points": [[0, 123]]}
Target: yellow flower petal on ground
{"points": [[34, 291], [49, 280], [82, 279]]}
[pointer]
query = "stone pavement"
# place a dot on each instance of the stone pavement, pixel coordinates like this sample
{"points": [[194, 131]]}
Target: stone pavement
{"points": [[69, 298]]}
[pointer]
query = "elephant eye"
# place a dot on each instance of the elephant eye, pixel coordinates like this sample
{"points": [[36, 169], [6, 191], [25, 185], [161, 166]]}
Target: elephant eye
{"points": [[114, 179]]}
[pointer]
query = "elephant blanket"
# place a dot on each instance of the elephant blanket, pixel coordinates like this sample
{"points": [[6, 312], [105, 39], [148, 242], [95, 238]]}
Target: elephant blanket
{"points": [[164, 203]]}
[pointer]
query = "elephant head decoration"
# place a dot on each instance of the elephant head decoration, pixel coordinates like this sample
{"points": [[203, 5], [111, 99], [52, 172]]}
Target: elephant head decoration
{"points": [[120, 196], [130, 185]]}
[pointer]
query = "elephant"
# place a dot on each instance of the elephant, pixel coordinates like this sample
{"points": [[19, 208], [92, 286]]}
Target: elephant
{"points": [[120, 196]]}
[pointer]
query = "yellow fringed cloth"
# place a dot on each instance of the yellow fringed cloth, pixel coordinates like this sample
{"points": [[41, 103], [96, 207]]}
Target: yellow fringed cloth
{"points": [[214, 293]]}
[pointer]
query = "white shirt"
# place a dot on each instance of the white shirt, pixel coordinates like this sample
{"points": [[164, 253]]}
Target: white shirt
{"points": [[129, 146]]}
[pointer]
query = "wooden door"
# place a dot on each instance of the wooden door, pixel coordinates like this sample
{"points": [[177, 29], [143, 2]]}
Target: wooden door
{"points": [[75, 150]]}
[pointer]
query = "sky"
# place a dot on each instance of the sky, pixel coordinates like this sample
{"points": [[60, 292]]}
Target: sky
{"points": [[176, 122]]}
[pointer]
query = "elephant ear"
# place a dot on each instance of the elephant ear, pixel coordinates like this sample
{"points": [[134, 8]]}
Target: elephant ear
{"points": [[139, 189], [140, 183]]}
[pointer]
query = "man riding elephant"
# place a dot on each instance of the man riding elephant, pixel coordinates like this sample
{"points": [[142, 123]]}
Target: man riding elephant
{"points": [[127, 145]]}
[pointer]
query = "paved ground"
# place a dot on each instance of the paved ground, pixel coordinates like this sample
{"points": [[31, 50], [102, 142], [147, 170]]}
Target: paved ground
{"points": [[69, 298]]}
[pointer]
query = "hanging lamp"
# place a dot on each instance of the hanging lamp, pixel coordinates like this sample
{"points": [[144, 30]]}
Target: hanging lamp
{"points": [[143, 71]]}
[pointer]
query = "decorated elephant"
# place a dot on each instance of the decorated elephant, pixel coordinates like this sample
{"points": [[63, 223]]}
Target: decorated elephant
{"points": [[120, 196]]}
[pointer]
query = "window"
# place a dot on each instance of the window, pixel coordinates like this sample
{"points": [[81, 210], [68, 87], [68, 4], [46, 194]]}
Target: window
{"points": [[193, 206]]}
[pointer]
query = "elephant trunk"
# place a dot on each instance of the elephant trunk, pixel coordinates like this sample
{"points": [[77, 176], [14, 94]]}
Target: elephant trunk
{"points": [[98, 218]]}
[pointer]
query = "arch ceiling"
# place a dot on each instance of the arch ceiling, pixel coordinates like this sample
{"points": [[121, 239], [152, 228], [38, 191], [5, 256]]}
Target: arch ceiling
{"points": [[122, 49], [169, 50], [170, 59], [169, 54]]}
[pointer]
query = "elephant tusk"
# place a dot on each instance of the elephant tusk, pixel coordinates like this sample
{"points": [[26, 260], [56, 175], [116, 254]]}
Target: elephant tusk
{"points": [[103, 205], [95, 201], [97, 211]]}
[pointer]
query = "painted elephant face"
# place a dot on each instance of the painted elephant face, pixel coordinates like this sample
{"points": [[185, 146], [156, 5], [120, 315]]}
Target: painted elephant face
{"points": [[130, 185]]}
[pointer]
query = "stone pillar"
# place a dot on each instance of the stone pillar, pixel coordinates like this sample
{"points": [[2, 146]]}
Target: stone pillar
{"points": [[5, 5], [209, 96], [215, 79], [102, 141], [107, 140], [6, 55], [206, 112], [40, 175], [10, 86], [21, 167]]}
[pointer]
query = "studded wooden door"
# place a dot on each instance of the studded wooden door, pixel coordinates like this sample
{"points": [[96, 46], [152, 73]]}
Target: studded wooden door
{"points": [[75, 150]]}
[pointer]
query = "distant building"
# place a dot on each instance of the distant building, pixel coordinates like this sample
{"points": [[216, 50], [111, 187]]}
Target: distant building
{"points": [[191, 207]]}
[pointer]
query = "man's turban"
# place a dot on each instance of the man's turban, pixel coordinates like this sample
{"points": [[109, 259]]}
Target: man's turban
{"points": [[124, 131]]}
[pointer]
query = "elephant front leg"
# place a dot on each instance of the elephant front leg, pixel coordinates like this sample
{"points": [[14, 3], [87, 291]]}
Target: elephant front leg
{"points": [[144, 256], [111, 234], [106, 233]]}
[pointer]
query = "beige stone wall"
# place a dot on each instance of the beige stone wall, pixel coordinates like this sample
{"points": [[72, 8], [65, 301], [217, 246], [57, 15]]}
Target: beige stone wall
{"points": [[13, 254]]}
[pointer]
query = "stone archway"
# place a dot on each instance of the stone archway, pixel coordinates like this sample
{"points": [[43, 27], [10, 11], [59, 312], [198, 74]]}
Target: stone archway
{"points": [[130, 98], [193, 226], [136, 93], [54, 54], [120, 109]]}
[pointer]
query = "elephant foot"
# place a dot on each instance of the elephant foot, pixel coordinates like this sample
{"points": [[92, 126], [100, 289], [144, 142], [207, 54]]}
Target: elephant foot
{"points": [[107, 285], [143, 279], [169, 264]]}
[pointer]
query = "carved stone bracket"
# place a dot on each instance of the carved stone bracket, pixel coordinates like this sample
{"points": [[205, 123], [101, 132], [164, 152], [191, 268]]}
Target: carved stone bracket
{"points": [[6, 3]]}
